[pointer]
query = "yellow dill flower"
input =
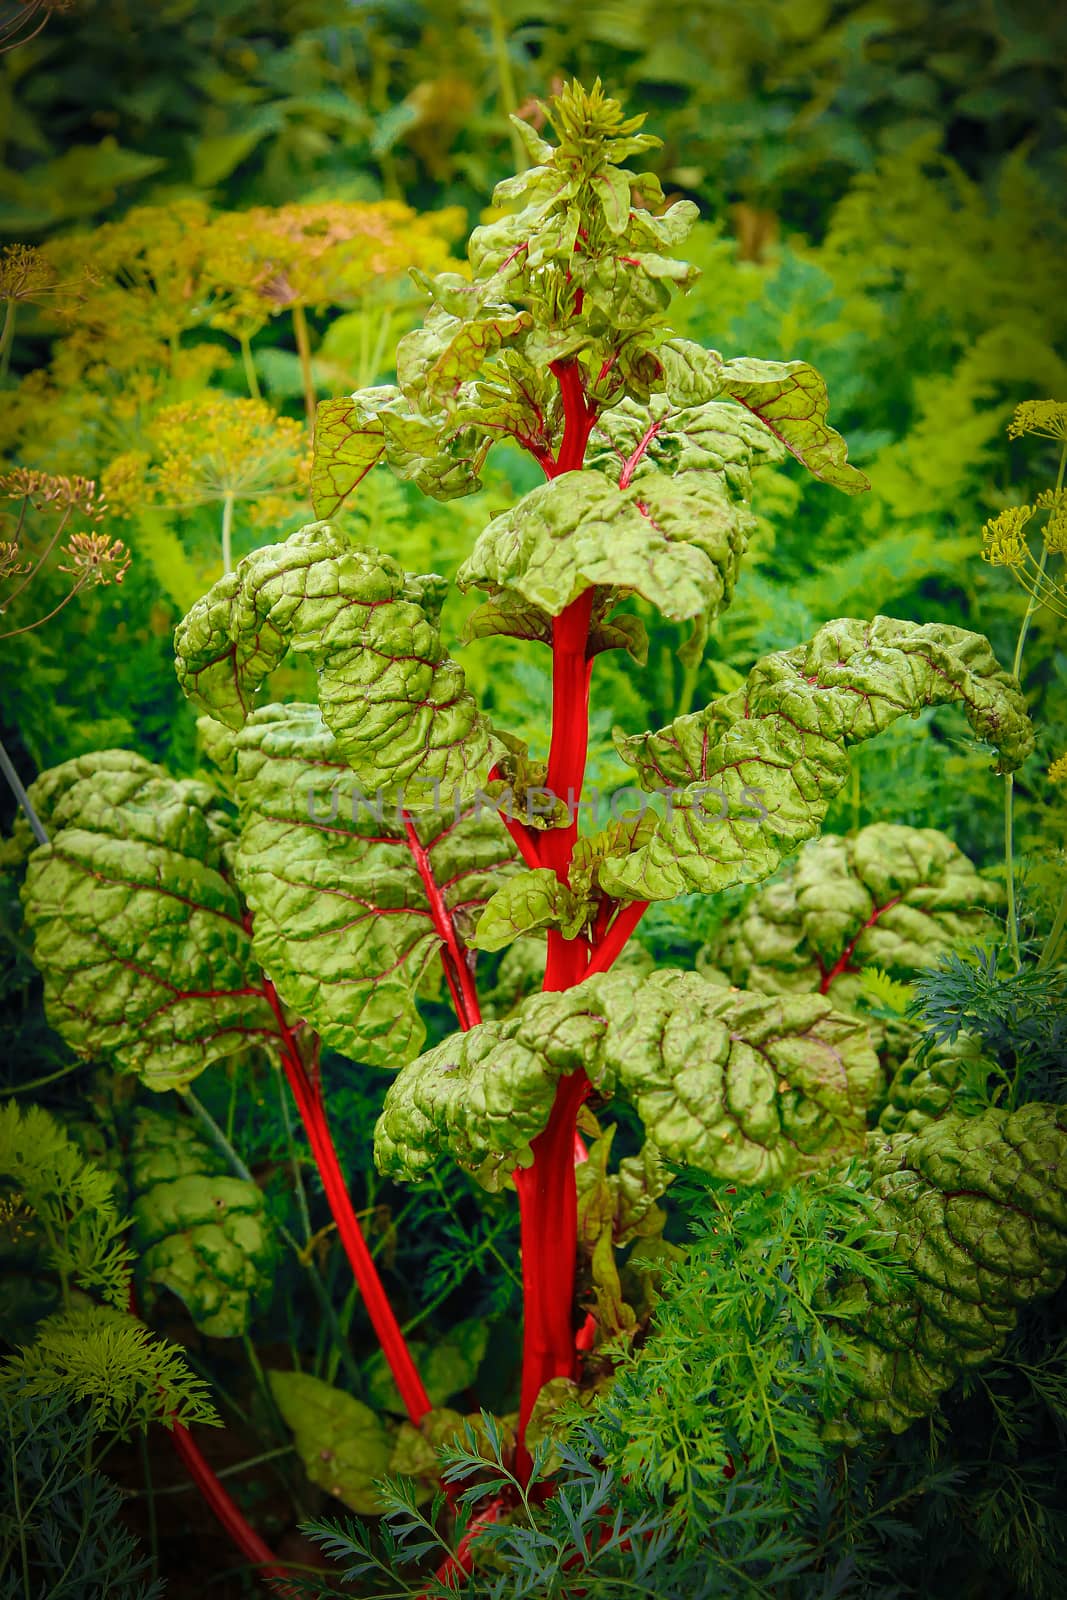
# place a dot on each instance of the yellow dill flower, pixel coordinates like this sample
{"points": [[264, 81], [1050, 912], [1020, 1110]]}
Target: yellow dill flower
{"points": [[1003, 543], [265, 261], [1054, 533], [125, 482], [148, 287], [1047, 418], [1058, 770], [218, 447]]}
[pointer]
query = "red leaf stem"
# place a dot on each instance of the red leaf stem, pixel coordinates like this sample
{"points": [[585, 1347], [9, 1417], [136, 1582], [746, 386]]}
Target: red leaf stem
{"points": [[613, 941], [221, 1504], [548, 1218], [218, 1500], [307, 1092], [842, 963], [455, 1568], [466, 1001]]}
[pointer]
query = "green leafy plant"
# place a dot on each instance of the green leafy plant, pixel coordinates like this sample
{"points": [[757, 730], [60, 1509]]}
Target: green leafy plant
{"points": [[359, 862]]}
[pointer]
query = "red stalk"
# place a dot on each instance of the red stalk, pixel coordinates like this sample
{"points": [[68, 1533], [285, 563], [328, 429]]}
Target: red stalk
{"points": [[466, 1000], [613, 941], [842, 963], [307, 1092], [548, 1216], [219, 1502], [240, 1531], [548, 1201]]}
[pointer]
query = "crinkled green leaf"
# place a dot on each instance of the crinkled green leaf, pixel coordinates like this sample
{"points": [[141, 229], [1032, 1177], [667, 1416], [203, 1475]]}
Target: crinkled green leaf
{"points": [[341, 1442], [434, 360], [676, 543], [613, 1210], [927, 1082], [342, 917], [632, 441], [507, 615], [138, 929], [779, 746], [740, 1085], [442, 457], [532, 899], [447, 1366], [978, 1208], [389, 692], [790, 398], [692, 375], [197, 1230], [888, 896]]}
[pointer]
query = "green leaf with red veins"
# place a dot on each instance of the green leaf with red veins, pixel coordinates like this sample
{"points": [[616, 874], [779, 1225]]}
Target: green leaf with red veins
{"points": [[611, 185], [388, 691], [977, 1206], [745, 1087], [532, 899], [342, 915], [779, 746], [677, 544], [691, 375], [137, 926], [888, 896], [891, 897], [432, 361], [353, 435], [630, 441], [349, 441], [790, 398]]}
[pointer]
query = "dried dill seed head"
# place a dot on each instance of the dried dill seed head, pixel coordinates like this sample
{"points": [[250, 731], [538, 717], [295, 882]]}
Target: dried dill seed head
{"points": [[95, 560], [49, 491]]}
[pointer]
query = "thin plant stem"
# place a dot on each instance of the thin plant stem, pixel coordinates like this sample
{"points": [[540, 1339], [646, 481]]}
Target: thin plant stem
{"points": [[39, 563], [150, 1497], [303, 350], [306, 1087], [237, 1166], [1009, 781], [49, 1077], [13, 633], [243, 1535], [506, 81], [15, 784], [251, 376], [224, 1472], [227, 531], [7, 338], [1052, 943]]}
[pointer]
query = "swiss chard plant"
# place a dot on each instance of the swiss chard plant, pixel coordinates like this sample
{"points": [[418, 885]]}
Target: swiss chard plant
{"points": [[361, 861]]}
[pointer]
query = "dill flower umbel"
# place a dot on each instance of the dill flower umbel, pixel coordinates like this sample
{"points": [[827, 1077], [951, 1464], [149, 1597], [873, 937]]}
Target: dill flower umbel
{"points": [[1058, 770], [1046, 418], [1003, 542], [215, 450]]}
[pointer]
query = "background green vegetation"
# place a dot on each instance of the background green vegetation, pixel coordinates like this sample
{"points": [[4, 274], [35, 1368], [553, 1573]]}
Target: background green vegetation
{"points": [[882, 189]]}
